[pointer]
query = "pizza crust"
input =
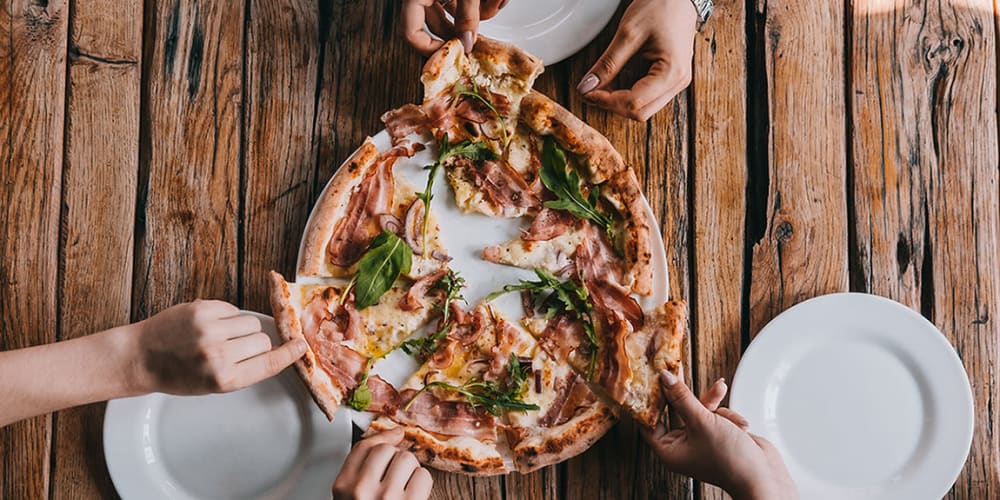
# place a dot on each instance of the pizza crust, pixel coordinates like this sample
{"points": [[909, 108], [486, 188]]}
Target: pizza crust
{"points": [[502, 67], [644, 397], [324, 390], [546, 117], [460, 454], [624, 193], [565, 441], [331, 207]]}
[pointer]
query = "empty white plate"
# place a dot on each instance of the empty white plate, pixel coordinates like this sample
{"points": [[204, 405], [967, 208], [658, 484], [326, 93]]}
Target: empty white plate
{"points": [[268, 441], [863, 397], [550, 29]]}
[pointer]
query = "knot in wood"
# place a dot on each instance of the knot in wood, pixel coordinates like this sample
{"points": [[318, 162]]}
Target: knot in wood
{"points": [[783, 231], [942, 50]]}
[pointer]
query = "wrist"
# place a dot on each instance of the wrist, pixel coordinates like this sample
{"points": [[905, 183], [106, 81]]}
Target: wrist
{"points": [[128, 360]]}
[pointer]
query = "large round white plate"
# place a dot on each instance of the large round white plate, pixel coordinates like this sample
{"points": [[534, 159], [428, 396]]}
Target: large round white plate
{"points": [[465, 235], [550, 29], [268, 441], [863, 397]]}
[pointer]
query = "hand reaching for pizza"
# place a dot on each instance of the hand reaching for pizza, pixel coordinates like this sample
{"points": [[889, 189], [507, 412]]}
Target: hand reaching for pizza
{"points": [[714, 445], [376, 469], [466, 13], [207, 346], [660, 31]]}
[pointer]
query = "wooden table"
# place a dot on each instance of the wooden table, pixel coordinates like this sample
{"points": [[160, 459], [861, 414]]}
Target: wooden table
{"points": [[154, 152]]}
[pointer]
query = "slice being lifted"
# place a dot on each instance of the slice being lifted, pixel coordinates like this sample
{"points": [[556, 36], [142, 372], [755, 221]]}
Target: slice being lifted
{"points": [[489, 375]]}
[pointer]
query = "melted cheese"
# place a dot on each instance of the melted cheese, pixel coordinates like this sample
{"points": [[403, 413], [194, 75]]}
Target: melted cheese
{"points": [[552, 255]]}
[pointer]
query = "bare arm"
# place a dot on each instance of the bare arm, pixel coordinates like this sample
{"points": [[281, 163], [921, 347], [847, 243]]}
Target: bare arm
{"points": [[194, 348]]}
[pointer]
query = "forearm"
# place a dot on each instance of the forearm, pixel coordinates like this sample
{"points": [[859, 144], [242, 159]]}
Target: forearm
{"points": [[51, 377]]}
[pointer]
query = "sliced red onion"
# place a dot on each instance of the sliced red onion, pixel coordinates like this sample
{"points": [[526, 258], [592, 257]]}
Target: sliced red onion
{"points": [[439, 255], [413, 226], [389, 222]]}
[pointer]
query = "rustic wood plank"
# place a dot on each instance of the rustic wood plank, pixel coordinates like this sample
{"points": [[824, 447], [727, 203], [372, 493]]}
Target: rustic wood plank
{"points": [[924, 82], [100, 169], [799, 234], [32, 103], [282, 61], [718, 197], [621, 465], [188, 201]]}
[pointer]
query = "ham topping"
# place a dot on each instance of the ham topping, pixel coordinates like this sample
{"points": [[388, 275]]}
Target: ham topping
{"points": [[596, 259], [385, 399], [448, 418], [343, 364], [548, 224], [615, 371], [319, 322], [573, 396], [420, 293], [371, 198], [562, 336], [610, 300], [442, 114], [503, 186]]}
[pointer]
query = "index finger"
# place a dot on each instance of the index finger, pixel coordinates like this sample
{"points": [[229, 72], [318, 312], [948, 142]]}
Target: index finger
{"points": [[634, 102], [268, 364], [356, 458], [414, 16]]}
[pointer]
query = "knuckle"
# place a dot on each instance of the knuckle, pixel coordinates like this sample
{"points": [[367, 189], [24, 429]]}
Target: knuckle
{"points": [[223, 381], [606, 65]]}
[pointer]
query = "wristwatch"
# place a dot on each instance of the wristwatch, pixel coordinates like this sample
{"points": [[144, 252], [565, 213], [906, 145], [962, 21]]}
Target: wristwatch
{"points": [[704, 8]]}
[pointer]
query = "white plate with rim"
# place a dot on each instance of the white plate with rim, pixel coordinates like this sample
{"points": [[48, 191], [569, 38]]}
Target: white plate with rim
{"points": [[863, 397], [464, 235], [267, 441], [552, 30]]}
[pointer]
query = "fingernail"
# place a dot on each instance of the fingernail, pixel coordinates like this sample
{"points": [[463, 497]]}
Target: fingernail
{"points": [[721, 380], [588, 83], [467, 41], [668, 378]]}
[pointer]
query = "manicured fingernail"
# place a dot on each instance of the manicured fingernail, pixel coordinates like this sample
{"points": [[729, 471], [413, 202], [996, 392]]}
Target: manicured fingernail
{"points": [[588, 83], [668, 378], [467, 41], [721, 380]]}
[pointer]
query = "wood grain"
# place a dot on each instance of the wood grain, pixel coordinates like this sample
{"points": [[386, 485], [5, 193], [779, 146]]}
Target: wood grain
{"points": [[282, 67], [100, 170], [925, 196], [32, 102], [188, 197], [718, 197], [799, 234]]}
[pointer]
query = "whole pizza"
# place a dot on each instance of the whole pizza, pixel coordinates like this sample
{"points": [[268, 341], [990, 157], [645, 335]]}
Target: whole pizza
{"points": [[495, 392]]}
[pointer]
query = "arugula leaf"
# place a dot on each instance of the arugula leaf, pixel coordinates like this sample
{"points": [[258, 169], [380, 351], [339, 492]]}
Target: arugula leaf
{"points": [[490, 395], [361, 398], [475, 151], [452, 284], [474, 93], [386, 258], [551, 295], [565, 184]]}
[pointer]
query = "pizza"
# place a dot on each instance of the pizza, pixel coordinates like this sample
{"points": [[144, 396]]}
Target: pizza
{"points": [[496, 390]]}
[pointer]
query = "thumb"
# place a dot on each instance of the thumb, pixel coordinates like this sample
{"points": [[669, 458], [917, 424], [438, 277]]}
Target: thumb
{"points": [[623, 46], [683, 401], [467, 22]]}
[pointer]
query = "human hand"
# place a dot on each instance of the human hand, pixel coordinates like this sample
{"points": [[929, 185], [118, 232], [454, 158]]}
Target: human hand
{"points": [[714, 445], [361, 478], [467, 14], [206, 346], [660, 31]]}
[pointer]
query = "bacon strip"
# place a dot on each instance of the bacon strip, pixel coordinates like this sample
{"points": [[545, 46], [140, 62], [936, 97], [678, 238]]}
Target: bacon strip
{"points": [[447, 418], [562, 336], [385, 399], [610, 300], [372, 197], [596, 259], [573, 396], [417, 296], [503, 186], [548, 224], [615, 371]]}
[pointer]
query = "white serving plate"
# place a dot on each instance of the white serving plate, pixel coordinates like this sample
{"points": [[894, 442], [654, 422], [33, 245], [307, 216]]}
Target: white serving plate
{"points": [[268, 441], [552, 30], [464, 236], [863, 397]]}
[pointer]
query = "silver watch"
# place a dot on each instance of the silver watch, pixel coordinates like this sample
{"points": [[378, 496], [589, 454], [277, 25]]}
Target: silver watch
{"points": [[704, 8]]}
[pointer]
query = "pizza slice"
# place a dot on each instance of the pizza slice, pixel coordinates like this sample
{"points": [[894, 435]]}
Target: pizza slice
{"points": [[603, 334], [344, 337], [362, 201], [471, 105], [489, 401], [579, 197]]}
